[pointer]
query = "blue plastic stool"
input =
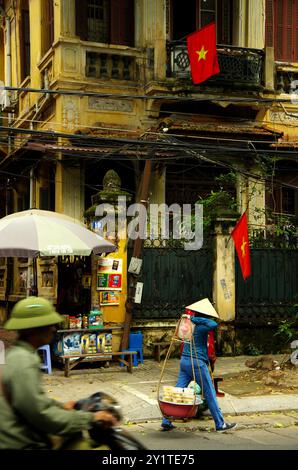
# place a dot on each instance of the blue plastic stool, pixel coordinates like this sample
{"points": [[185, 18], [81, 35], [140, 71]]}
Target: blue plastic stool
{"points": [[135, 343], [46, 357]]}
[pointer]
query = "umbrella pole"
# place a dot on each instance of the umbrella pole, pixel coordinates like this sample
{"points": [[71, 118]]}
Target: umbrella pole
{"points": [[34, 289]]}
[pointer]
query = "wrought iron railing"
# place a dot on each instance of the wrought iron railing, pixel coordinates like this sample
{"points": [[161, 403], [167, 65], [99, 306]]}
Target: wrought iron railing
{"points": [[239, 67]]}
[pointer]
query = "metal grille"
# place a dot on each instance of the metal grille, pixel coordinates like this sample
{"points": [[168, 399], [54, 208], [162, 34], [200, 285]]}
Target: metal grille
{"points": [[173, 278], [270, 293]]}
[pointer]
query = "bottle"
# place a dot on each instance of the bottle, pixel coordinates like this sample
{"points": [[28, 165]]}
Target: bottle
{"points": [[95, 318], [85, 321], [79, 321]]}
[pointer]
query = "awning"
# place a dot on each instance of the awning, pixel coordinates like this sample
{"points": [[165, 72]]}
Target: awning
{"points": [[211, 125]]}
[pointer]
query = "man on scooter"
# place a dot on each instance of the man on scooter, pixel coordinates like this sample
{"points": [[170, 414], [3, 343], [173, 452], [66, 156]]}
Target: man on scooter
{"points": [[27, 415]]}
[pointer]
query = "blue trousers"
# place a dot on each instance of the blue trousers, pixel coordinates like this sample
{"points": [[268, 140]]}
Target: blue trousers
{"points": [[186, 376]]}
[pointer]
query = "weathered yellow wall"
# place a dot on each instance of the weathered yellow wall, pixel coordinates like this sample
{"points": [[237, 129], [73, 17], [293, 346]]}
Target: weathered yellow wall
{"points": [[2, 63], [224, 275]]}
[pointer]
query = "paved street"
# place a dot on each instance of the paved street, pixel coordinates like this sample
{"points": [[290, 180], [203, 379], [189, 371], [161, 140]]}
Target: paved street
{"points": [[248, 435]]}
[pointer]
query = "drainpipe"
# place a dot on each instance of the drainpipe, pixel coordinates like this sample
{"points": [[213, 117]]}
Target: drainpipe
{"points": [[8, 52], [8, 81], [32, 268]]}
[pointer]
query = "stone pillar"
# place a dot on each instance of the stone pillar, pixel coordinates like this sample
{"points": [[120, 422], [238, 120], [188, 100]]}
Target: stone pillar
{"points": [[242, 193], [224, 273], [69, 190], [249, 29], [269, 68], [256, 204], [153, 35], [110, 196], [255, 30], [224, 292], [67, 19], [251, 197]]}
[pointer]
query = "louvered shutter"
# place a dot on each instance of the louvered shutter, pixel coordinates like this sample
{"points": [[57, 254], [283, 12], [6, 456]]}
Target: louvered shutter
{"points": [[81, 19], [269, 24], [122, 22]]}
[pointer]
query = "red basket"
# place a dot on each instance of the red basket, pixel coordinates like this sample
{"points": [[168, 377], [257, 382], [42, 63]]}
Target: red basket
{"points": [[178, 410]]}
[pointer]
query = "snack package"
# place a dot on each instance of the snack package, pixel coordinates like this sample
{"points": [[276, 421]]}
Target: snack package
{"points": [[58, 347], [72, 344], [108, 343], [85, 344], [72, 322], [92, 343], [100, 343]]}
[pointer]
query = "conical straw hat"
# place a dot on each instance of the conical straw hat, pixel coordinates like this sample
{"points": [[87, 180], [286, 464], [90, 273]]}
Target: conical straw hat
{"points": [[204, 306]]}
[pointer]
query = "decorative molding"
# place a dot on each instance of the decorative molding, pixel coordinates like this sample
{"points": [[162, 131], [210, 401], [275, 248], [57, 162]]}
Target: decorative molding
{"points": [[70, 115], [100, 104], [281, 117]]}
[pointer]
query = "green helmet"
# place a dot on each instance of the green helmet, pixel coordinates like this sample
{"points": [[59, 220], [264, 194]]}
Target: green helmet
{"points": [[32, 312]]}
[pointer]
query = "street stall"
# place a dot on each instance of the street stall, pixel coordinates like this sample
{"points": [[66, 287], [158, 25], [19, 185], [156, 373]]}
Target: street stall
{"points": [[37, 233]]}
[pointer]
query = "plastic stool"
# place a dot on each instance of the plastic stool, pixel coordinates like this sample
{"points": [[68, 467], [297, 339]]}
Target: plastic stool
{"points": [[135, 343], [46, 356]]}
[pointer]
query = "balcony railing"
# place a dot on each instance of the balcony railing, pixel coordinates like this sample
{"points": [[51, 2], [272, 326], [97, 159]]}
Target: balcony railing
{"points": [[239, 67], [286, 80], [111, 66]]}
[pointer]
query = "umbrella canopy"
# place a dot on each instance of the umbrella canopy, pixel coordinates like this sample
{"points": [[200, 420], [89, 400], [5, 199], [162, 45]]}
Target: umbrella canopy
{"points": [[33, 233]]}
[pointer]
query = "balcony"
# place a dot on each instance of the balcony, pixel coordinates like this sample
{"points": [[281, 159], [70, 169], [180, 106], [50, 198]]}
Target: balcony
{"points": [[286, 79], [240, 68], [110, 66]]}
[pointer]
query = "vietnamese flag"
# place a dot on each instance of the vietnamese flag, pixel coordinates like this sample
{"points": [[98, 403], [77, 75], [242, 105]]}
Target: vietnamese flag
{"points": [[240, 237], [202, 53]]}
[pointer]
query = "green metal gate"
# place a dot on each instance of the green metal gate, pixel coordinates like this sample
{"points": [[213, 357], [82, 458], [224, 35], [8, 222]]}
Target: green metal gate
{"points": [[271, 291], [173, 278]]}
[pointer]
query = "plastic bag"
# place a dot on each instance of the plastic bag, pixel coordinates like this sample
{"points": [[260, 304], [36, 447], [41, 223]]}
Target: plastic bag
{"points": [[184, 329]]}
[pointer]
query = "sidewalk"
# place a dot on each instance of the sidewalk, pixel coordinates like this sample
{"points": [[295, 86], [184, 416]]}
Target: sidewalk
{"points": [[137, 392]]}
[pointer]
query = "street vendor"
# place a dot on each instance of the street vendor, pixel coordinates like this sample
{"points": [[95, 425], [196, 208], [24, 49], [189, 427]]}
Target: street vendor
{"points": [[203, 324]]}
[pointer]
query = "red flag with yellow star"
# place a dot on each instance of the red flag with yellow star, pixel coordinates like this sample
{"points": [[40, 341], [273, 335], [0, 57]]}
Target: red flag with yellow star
{"points": [[202, 53], [240, 237]]}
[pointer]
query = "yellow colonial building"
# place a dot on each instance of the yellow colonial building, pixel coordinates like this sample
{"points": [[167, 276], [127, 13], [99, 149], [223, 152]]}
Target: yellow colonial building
{"points": [[99, 85]]}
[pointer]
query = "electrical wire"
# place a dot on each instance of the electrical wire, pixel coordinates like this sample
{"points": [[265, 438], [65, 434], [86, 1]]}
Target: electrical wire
{"points": [[147, 97]]}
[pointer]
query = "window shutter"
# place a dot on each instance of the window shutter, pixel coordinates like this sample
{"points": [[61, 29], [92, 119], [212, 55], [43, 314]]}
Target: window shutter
{"points": [[295, 30], [51, 21], [282, 28], [81, 19], [269, 24], [122, 22], [224, 21], [289, 30]]}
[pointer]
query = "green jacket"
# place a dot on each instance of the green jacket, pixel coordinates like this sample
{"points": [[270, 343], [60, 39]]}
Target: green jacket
{"points": [[29, 415]]}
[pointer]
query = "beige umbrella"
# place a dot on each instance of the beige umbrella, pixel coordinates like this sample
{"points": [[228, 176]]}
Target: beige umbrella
{"points": [[36, 232]]}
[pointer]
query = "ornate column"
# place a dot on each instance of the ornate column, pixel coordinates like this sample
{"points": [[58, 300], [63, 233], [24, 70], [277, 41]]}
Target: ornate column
{"points": [[110, 197], [224, 293], [67, 18], [153, 35]]}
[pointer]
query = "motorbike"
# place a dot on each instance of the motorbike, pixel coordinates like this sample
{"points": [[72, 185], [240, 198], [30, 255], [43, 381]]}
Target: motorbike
{"points": [[99, 436]]}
